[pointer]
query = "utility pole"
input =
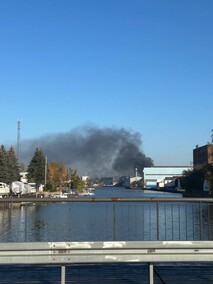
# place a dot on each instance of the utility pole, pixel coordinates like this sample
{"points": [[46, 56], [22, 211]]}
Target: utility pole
{"points": [[45, 171], [136, 177]]}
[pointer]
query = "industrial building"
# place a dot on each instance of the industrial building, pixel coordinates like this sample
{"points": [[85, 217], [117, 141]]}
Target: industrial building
{"points": [[159, 176], [202, 156]]}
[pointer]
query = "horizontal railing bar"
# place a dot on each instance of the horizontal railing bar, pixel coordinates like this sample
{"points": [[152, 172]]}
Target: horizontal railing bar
{"points": [[114, 199], [105, 245], [101, 252]]}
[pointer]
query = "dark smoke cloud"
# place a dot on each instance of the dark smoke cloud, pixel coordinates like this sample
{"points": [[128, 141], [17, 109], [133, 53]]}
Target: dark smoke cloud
{"points": [[93, 151]]}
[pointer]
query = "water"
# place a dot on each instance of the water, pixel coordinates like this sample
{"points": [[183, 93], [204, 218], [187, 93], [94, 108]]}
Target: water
{"points": [[105, 192], [106, 221]]}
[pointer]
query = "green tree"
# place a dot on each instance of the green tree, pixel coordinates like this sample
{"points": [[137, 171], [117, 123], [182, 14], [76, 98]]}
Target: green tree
{"points": [[79, 184], [13, 167], [3, 164], [75, 181], [36, 168], [193, 180]]}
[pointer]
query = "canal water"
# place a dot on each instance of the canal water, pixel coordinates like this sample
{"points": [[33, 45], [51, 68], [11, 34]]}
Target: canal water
{"points": [[107, 221]]}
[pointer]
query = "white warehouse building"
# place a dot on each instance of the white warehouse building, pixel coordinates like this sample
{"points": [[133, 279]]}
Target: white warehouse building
{"points": [[159, 176]]}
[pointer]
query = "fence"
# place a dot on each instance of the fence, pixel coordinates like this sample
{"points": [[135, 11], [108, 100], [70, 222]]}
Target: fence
{"points": [[178, 230], [117, 219]]}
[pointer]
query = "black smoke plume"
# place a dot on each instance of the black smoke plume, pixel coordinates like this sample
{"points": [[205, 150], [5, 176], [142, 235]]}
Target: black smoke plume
{"points": [[92, 151]]}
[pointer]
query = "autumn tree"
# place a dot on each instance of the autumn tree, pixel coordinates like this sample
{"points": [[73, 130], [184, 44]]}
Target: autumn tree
{"points": [[58, 174]]}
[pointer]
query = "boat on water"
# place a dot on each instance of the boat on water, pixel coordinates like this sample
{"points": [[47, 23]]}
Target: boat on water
{"points": [[90, 189], [27, 203], [86, 193], [63, 195]]}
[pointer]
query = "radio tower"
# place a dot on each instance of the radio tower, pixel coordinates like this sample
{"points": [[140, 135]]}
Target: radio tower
{"points": [[19, 143]]}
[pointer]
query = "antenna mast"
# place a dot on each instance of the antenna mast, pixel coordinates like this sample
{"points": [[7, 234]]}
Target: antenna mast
{"points": [[19, 142]]}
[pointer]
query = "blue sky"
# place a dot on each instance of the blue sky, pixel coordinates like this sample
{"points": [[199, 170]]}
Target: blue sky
{"points": [[146, 66]]}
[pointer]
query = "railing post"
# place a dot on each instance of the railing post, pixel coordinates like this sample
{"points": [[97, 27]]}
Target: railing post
{"points": [[201, 222], [63, 274], [157, 216], [114, 222], [151, 273]]}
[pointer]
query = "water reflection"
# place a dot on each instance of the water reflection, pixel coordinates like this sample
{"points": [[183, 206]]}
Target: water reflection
{"points": [[101, 221]]}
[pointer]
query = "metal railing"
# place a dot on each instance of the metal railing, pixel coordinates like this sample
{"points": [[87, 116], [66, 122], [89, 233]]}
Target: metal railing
{"points": [[128, 219], [170, 238], [64, 253]]}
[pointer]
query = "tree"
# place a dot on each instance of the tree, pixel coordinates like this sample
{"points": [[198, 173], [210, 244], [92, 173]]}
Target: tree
{"points": [[79, 184], [3, 165], [13, 167], [36, 168], [192, 181], [58, 174]]}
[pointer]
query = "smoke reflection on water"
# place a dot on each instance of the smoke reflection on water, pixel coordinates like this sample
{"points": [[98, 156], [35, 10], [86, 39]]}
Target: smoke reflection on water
{"points": [[106, 221]]}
